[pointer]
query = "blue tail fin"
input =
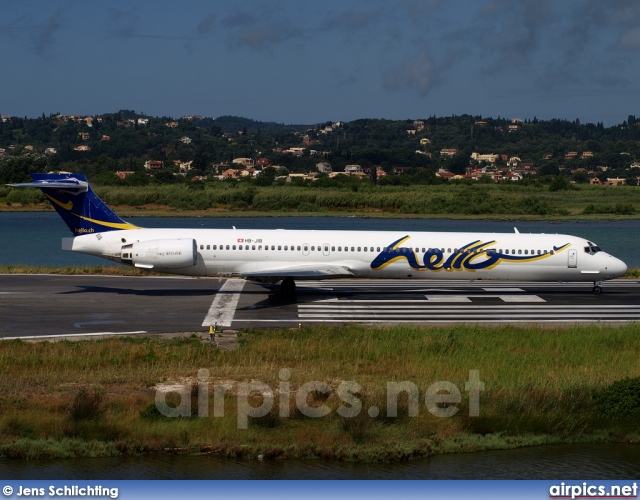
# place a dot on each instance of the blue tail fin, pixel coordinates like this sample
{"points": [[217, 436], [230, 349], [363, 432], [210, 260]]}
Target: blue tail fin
{"points": [[77, 204]]}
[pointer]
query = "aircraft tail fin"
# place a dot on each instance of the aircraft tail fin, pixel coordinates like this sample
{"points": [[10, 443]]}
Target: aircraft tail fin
{"points": [[78, 205]]}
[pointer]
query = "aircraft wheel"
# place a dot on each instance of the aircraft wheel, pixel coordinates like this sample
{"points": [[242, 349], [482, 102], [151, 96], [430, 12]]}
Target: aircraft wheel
{"points": [[288, 289], [597, 290]]}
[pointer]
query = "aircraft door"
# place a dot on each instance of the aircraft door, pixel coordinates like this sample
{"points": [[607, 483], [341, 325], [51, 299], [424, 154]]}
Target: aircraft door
{"points": [[573, 258], [325, 249]]}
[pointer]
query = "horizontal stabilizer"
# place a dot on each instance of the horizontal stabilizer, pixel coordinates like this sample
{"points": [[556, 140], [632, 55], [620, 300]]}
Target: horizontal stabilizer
{"points": [[74, 185]]}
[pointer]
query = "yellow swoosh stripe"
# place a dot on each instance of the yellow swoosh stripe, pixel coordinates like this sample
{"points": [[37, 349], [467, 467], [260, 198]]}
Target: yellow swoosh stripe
{"points": [[67, 206], [115, 225]]}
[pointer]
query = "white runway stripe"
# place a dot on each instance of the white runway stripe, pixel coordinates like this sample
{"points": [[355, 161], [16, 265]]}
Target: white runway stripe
{"points": [[223, 307], [437, 284], [388, 314], [343, 304]]}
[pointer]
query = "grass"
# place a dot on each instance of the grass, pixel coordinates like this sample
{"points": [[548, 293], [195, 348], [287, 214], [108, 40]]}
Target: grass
{"points": [[549, 396], [453, 200], [75, 270]]}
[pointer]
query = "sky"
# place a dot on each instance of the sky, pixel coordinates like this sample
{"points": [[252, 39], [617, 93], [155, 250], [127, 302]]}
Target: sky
{"points": [[308, 62]]}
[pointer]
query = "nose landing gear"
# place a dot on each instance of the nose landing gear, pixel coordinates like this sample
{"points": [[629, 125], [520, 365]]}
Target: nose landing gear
{"points": [[597, 287]]}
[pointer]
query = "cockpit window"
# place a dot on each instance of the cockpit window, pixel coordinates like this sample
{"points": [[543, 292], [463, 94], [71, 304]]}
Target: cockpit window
{"points": [[592, 249]]}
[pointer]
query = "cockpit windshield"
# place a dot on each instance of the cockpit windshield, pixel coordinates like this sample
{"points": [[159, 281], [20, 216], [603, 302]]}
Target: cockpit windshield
{"points": [[592, 249]]}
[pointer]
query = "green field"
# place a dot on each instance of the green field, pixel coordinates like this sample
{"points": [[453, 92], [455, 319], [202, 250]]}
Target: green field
{"points": [[541, 385], [454, 200]]}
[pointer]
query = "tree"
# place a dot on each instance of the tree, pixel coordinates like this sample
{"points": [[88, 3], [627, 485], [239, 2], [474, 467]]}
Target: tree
{"points": [[164, 177], [551, 168], [559, 184], [266, 177], [17, 167]]}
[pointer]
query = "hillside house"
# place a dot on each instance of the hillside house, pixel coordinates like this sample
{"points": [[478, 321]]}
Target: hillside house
{"points": [[324, 167], [152, 164]]}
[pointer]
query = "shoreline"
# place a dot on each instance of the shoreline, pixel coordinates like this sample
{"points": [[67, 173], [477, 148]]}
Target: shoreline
{"points": [[167, 212], [69, 448]]}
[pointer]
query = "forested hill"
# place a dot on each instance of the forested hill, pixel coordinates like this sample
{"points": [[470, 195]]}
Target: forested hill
{"points": [[126, 140]]}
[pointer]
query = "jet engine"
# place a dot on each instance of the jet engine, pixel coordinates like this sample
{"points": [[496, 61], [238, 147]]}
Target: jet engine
{"points": [[160, 254]]}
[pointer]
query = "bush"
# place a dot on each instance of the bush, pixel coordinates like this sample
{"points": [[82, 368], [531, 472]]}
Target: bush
{"points": [[617, 209], [309, 207], [620, 399], [87, 405], [559, 184]]}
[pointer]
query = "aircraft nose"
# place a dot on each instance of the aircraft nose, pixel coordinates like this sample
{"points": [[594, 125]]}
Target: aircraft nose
{"points": [[617, 267]]}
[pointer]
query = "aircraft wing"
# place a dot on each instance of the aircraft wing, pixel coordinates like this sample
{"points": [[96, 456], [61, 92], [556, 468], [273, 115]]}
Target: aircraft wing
{"points": [[300, 272]]}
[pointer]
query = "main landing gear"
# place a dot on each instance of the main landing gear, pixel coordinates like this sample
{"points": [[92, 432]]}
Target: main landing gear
{"points": [[288, 289], [597, 287]]}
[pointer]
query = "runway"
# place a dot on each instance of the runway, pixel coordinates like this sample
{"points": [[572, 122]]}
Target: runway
{"points": [[56, 305]]}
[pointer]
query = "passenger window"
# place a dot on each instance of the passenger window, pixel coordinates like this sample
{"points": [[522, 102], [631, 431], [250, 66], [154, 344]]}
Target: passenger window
{"points": [[372, 249], [365, 249], [378, 249], [359, 249], [313, 249], [306, 248], [526, 252], [259, 247], [279, 247], [253, 247], [286, 247], [208, 247], [233, 247], [352, 249], [333, 249], [201, 247]]}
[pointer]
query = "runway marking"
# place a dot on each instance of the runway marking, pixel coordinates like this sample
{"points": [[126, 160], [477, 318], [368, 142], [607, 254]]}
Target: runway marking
{"points": [[467, 298], [460, 308], [519, 298], [441, 321], [66, 335], [448, 298], [225, 302], [497, 289]]}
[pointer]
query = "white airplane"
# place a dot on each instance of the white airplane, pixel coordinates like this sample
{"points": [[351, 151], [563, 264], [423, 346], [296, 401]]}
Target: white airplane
{"points": [[272, 256]]}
